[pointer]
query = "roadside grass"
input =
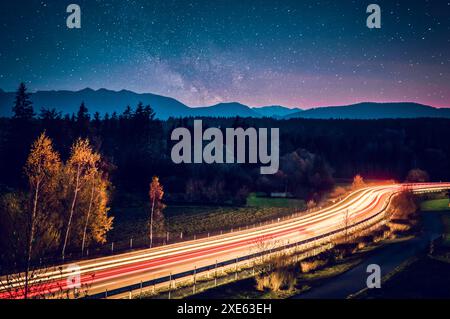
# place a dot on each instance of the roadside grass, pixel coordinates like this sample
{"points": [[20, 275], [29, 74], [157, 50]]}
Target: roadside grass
{"points": [[435, 205], [242, 289], [330, 271], [245, 289]]}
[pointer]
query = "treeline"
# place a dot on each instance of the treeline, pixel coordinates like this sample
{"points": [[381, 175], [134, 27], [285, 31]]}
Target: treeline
{"points": [[379, 149], [136, 147], [314, 153]]}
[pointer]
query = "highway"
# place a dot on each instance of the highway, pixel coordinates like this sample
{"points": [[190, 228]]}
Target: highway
{"points": [[121, 270]]}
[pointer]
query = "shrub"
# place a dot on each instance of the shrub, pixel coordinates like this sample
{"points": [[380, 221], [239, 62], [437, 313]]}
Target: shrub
{"points": [[361, 245], [343, 250], [262, 282], [399, 227], [404, 206], [338, 192], [311, 265], [281, 275]]}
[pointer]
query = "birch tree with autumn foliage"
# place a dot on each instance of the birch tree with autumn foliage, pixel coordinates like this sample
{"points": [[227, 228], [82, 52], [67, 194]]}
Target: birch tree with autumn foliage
{"points": [[42, 169], [156, 194], [29, 224], [83, 160], [96, 220]]}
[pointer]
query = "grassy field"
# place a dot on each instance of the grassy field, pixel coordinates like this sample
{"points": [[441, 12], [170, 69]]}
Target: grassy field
{"points": [[131, 221], [254, 200], [435, 205]]}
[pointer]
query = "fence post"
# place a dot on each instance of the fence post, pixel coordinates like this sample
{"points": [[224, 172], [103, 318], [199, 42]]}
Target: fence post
{"points": [[131, 243], [170, 285], [168, 237], [140, 293], [195, 279], [215, 275], [112, 247], [181, 235]]}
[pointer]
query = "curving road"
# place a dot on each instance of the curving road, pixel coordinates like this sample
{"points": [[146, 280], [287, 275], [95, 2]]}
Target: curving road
{"points": [[121, 270]]}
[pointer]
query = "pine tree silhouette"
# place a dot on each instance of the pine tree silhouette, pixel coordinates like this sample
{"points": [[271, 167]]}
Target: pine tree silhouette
{"points": [[23, 107], [83, 113]]}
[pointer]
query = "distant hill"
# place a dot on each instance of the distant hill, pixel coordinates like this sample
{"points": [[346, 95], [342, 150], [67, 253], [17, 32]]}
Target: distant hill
{"points": [[102, 101], [96, 101], [225, 110], [274, 111], [372, 111]]}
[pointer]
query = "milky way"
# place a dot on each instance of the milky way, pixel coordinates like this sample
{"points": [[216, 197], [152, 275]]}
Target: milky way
{"points": [[293, 53]]}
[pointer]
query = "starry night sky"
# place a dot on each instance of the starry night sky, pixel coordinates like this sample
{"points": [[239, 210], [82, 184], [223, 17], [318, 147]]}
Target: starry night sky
{"points": [[293, 53]]}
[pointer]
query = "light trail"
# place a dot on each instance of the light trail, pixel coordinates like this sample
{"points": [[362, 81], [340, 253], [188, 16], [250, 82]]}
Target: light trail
{"points": [[130, 268]]}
